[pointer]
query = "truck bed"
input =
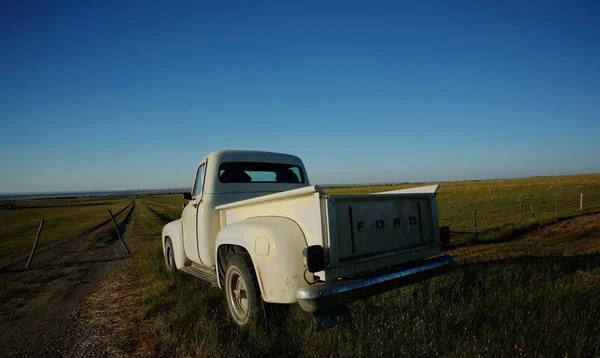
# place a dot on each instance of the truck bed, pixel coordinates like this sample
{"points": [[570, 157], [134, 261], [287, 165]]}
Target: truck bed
{"points": [[360, 233]]}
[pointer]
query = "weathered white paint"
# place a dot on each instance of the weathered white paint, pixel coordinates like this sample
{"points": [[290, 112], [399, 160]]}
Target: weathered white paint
{"points": [[280, 272], [276, 222], [300, 205]]}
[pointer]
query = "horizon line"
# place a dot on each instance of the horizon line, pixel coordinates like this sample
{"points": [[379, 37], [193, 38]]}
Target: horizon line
{"points": [[111, 191]]}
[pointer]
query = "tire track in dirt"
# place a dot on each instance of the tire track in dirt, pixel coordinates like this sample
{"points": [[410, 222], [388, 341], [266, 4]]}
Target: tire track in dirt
{"points": [[41, 309], [14, 262], [113, 311]]}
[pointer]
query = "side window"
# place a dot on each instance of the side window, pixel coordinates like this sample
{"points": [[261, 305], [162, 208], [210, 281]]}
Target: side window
{"points": [[199, 181]]}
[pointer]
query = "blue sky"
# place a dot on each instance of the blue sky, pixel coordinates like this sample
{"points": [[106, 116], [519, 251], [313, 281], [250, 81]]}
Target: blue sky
{"points": [[131, 95]]}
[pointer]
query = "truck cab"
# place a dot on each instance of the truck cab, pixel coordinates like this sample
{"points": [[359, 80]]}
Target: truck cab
{"points": [[255, 227]]}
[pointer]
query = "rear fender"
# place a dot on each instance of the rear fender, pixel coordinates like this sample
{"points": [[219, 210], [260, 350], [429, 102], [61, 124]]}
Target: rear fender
{"points": [[275, 245]]}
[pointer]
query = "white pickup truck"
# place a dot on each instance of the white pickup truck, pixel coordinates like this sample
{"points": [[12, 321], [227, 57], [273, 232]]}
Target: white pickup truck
{"points": [[256, 227]]}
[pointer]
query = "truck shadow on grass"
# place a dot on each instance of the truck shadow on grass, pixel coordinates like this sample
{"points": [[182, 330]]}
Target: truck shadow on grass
{"points": [[533, 291], [539, 305]]}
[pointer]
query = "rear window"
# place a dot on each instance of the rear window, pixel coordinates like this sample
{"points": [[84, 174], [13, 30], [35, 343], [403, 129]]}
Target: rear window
{"points": [[253, 172]]}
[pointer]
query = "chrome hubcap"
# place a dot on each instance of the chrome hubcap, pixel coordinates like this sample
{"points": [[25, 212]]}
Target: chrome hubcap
{"points": [[238, 295]]}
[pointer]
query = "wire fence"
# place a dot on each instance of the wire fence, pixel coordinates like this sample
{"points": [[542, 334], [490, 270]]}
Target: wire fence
{"points": [[486, 218]]}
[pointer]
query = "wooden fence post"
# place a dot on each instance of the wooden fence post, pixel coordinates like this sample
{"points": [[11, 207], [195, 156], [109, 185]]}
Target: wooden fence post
{"points": [[556, 208], [118, 233], [520, 210], [581, 202], [37, 237], [475, 224], [532, 212]]}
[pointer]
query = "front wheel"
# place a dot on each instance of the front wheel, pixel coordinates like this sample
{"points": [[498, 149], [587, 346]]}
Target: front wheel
{"points": [[169, 256], [242, 291]]}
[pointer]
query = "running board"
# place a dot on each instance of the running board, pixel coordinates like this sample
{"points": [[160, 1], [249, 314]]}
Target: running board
{"points": [[201, 273]]}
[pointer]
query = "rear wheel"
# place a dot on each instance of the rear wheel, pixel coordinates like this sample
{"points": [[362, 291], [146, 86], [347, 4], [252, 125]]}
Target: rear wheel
{"points": [[169, 255], [242, 291]]}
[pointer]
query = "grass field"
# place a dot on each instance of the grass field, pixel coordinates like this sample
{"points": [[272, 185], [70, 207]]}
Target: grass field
{"points": [[20, 220], [533, 295], [529, 288]]}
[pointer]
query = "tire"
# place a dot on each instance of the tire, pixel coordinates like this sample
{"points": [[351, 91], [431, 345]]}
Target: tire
{"points": [[242, 292], [169, 256]]}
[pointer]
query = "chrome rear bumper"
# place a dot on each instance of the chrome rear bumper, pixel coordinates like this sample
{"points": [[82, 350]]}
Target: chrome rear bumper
{"points": [[335, 293]]}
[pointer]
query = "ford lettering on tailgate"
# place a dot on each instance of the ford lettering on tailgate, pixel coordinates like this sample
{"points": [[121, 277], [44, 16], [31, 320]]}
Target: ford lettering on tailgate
{"points": [[379, 226]]}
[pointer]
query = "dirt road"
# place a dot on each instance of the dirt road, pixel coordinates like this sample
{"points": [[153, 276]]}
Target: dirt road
{"points": [[42, 308]]}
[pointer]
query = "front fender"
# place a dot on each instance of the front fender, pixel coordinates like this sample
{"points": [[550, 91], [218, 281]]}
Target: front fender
{"points": [[174, 230], [275, 245]]}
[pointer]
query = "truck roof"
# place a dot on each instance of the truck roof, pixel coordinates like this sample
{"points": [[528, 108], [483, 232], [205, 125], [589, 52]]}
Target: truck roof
{"points": [[245, 155], [216, 158]]}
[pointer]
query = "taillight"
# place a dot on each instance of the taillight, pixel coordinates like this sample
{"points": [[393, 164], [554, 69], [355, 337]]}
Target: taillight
{"points": [[314, 258]]}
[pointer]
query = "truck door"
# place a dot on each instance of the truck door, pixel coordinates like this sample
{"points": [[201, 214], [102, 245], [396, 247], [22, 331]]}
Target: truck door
{"points": [[189, 217]]}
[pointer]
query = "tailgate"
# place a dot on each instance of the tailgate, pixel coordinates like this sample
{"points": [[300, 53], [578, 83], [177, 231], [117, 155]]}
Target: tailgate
{"points": [[368, 232]]}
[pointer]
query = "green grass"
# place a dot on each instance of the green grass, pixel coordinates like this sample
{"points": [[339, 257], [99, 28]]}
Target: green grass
{"points": [[63, 217], [536, 293]]}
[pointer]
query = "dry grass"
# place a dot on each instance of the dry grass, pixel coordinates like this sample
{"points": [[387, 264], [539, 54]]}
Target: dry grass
{"points": [[524, 290]]}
